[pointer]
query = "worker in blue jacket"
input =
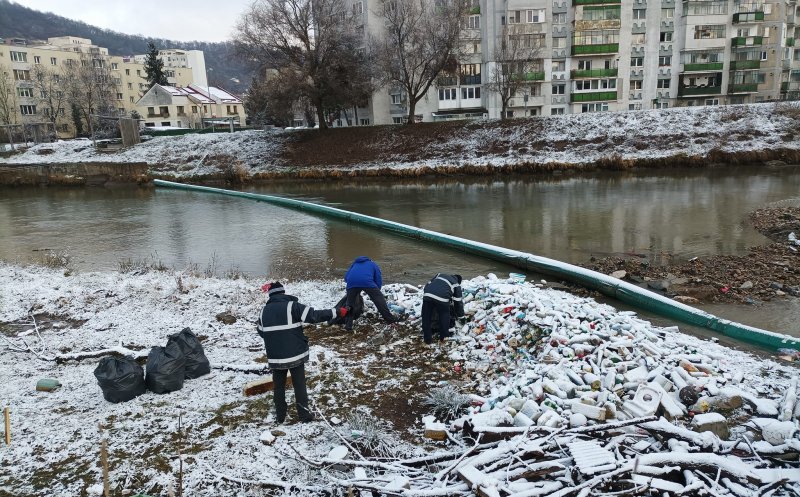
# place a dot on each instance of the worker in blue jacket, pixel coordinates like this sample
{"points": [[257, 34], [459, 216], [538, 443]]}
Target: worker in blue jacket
{"points": [[281, 326], [365, 276], [442, 291]]}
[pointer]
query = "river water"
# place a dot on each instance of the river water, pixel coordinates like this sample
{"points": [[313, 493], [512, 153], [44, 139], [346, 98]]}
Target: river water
{"points": [[656, 214]]}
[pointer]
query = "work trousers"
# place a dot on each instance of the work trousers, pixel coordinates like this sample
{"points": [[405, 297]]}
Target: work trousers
{"points": [[300, 392], [377, 298], [443, 310]]}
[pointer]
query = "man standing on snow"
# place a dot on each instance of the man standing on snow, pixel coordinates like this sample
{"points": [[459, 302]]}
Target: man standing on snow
{"points": [[281, 327], [438, 294], [365, 276]]}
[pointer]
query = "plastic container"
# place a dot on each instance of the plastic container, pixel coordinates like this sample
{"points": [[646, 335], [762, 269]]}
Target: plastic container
{"points": [[516, 277]]}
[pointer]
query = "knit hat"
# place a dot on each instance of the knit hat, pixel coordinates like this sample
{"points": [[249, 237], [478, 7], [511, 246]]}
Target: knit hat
{"points": [[273, 288]]}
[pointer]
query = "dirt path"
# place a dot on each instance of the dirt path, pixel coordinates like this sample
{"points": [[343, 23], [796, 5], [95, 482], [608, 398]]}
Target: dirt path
{"points": [[765, 273]]}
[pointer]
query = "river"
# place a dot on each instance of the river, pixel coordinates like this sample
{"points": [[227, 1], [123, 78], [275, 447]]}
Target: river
{"points": [[659, 215]]}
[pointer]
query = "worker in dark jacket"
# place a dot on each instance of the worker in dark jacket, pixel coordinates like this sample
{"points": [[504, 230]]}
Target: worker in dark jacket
{"points": [[439, 293], [281, 327], [365, 276]]}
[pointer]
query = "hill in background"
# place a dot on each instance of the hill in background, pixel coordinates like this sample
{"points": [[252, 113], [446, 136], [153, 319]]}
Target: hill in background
{"points": [[223, 68]]}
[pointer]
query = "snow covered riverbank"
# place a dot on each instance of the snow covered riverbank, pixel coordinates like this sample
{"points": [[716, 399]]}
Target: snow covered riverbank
{"points": [[546, 370], [680, 136]]}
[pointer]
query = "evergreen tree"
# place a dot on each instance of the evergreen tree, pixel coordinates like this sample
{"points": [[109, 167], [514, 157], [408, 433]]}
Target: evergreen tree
{"points": [[77, 120], [154, 67]]}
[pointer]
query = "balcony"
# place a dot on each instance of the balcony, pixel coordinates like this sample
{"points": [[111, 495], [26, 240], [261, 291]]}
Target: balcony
{"points": [[703, 67], [746, 41], [790, 86], [667, 25], [160, 114], [474, 79], [639, 27], [559, 53], [789, 42], [743, 88], [560, 31], [699, 91], [528, 76], [637, 73], [596, 96], [745, 64], [635, 95], [593, 73], [595, 2], [447, 81], [595, 49], [559, 99], [748, 17]]}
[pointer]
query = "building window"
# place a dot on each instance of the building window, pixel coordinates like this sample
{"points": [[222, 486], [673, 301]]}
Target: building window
{"points": [[557, 111], [205, 109], [470, 74], [584, 65], [514, 17], [603, 14], [662, 83], [559, 42], [358, 8], [53, 61], [151, 111], [636, 85], [27, 110], [558, 89], [364, 122], [707, 32], [764, 55], [534, 16], [662, 105], [395, 97], [594, 107], [138, 72], [25, 92], [667, 13], [559, 65], [127, 72], [711, 101], [397, 120], [114, 66], [473, 22], [37, 59], [639, 14], [638, 39], [150, 124], [447, 93], [119, 96], [194, 109], [131, 98], [665, 36], [665, 60], [19, 57], [471, 92], [595, 84], [560, 18], [637, 61], [166, 123], [22, 75], [637, 106], [509, 113], [180, 110]]}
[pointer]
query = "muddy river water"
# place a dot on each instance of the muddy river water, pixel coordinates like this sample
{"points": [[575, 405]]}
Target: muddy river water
{"points": [[656, 214]]}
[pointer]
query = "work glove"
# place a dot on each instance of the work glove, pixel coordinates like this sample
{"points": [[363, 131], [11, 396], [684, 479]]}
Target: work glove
{"points": [[342, 311]]}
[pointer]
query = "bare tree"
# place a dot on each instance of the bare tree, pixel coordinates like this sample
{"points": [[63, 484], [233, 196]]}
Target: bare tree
{"points": [[91, 87], [318, 40], [8, 101], [50, 88], [517, 64], [422, 39]]}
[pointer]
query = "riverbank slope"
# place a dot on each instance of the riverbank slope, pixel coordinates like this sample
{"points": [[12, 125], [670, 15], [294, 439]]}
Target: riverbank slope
{"points": [[693, 136]]}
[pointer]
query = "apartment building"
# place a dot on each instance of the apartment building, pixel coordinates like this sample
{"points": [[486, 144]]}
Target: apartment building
{"points": [[610, 55], [20, 59]]}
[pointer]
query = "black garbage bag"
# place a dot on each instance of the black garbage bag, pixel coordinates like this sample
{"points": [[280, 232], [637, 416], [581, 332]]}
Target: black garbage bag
{"points": [[120, 378], [356, 311], [196, 361], [165, 368]]}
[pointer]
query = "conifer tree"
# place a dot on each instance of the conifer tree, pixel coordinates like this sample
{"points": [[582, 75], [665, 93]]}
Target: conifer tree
{"points": [[154, 67]]}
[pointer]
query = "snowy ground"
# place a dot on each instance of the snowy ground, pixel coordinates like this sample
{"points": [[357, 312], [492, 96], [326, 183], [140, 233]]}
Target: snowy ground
{"points": [[572, 139], [524, 359]]}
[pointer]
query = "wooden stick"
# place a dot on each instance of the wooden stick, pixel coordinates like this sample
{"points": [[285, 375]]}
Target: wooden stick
{"points": [[7, 419], [104, 462]]}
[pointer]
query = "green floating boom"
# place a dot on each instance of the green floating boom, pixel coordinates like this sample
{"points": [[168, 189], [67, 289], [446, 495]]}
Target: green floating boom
{"points": [[605, 284]]}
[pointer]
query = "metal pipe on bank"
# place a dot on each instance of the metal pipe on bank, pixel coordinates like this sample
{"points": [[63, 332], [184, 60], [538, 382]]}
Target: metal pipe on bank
{"points": [[607, 285]]}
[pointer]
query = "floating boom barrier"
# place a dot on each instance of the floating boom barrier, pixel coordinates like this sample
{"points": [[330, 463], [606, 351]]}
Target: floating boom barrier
{"points": [[605, 284]]}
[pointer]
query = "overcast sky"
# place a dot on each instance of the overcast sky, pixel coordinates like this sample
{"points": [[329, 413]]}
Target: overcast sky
{"points": [[202, 20]]}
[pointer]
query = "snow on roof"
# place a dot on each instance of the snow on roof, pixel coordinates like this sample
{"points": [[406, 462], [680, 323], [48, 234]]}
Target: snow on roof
{"points": [[217, 94]]}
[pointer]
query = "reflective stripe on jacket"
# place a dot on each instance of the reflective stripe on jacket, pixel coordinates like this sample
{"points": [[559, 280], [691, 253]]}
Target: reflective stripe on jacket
{"points": [[281, 327], [445, 288]]}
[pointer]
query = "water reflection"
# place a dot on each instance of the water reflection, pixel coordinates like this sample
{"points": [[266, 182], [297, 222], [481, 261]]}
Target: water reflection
{"points": [[684, 213]]}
